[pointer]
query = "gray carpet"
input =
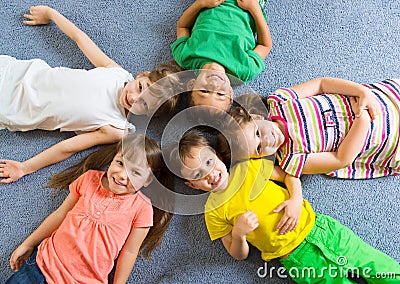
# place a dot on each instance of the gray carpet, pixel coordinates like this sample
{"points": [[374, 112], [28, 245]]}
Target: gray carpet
{"points": [[352, 39]]}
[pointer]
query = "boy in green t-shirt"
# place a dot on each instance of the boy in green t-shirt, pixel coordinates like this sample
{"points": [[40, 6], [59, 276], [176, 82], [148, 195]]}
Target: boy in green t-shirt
{"points": [[219, 36], [245, 206]]}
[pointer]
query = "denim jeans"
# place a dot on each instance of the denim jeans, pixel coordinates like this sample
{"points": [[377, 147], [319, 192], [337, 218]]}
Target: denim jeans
{"points": [[29, 273]]}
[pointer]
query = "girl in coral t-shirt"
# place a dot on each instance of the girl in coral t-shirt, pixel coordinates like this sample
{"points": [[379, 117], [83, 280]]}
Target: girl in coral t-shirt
{"points": [[105, 216]]}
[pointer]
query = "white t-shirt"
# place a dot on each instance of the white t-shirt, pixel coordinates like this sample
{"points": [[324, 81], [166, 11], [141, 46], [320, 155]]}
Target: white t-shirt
{"points": [[35, 96]]}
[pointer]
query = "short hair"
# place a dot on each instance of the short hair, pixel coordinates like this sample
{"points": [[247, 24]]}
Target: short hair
{"points": [[180, 151]]}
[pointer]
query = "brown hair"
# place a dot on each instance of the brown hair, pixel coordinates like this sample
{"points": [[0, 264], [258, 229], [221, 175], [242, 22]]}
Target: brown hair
{"points": [[194, 137], [247, 105], [180, 151], [253, 104], [230, 143], [103, 157], [189, 98], [191, 139], [168, 89]]}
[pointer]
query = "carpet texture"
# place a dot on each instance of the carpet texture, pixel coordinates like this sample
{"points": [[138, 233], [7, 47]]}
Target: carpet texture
{"points": [[356, 40]]}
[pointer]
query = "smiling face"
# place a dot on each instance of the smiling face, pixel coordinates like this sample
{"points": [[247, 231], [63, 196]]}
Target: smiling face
{"points": [[263, 138], [212, 87], [135, 99], [117, 180], [204, 170]]}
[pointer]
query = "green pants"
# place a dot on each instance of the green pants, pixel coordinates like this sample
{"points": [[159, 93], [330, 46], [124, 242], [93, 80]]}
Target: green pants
{"points": [[332, 252]]}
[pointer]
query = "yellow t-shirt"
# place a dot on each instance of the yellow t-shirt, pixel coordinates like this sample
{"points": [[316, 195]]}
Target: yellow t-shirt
{"points": [[249, 188]]}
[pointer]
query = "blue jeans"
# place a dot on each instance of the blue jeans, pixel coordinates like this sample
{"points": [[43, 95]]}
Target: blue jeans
{"points": [[29, 273]]}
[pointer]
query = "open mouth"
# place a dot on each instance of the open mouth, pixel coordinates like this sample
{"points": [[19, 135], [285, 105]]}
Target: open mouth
{"points": [[216, 181], [118, 183], [215, 76], [126, 101]]}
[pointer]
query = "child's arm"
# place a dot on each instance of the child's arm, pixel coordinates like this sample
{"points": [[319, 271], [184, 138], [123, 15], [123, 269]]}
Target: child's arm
{"points": [[347, 151], [235, 242], [48, 226], [129, 252], [292, 206], [11, 170], [367, 100], [188, 18], [264, 40], [42, 15]]}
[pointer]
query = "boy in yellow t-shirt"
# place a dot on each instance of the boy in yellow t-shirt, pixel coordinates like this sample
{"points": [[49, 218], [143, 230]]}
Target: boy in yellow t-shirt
{"points": [[245, 206]]}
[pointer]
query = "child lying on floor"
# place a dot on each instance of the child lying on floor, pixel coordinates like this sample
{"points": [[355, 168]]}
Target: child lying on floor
{"points": [[245, 206]]}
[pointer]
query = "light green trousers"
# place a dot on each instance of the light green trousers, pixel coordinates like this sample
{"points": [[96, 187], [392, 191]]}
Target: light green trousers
{"points": [[332, 252]]}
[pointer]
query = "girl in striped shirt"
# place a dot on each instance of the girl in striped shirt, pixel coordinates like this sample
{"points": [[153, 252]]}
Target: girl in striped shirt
{"points": [[328, 125]]}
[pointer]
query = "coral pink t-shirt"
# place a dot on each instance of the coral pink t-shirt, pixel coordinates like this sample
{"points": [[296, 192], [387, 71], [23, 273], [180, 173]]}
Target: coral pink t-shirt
{"points": [[84, 247]]}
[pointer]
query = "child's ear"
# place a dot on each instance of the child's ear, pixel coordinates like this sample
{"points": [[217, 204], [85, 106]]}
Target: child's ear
{"points": [[190, 84], [148, 181], [189, 184]]}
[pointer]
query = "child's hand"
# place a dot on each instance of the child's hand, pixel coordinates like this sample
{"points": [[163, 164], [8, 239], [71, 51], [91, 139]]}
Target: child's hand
{"points": [[248, 5], [245, 224], [290, 219], [355, 106], [210, 3], [38, 15], [368, 102], [10, 171], [18, 257]]}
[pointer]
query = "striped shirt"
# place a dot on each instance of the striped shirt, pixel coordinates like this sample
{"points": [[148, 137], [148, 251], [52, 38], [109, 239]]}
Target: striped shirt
{"points": [[320, 123]]}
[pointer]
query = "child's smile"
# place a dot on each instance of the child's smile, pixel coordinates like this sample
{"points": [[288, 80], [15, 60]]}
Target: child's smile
{"points": [[119, 182], [263, 138], [204, 170]]}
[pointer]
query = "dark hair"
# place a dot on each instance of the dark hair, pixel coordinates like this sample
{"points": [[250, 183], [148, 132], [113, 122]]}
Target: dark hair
{"points": [[195, 137], [180, 151], [103, 157]]}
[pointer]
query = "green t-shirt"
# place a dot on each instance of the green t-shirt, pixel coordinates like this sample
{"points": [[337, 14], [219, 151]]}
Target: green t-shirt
{"points": [[226, 35]]}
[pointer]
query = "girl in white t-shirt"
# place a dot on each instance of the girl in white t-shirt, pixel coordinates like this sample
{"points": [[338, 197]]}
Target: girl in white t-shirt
{"points": [[35, 96]]}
